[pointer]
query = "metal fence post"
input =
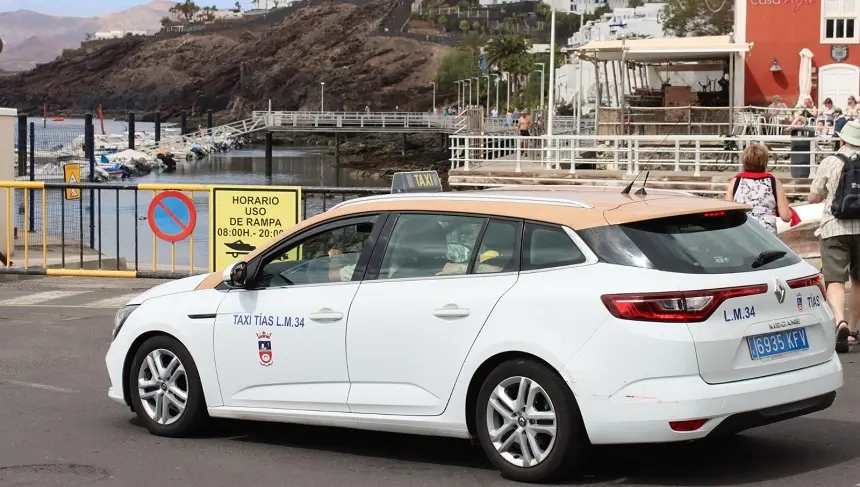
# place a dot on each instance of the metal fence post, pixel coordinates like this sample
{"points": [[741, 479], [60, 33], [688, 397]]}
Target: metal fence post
{"points": [[32, 171], [89, 153], [22, 144], [157, 129], [131, 130]]}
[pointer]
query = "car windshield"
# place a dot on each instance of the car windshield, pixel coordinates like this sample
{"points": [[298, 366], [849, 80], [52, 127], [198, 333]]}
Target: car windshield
{"points": [[709, 243]]}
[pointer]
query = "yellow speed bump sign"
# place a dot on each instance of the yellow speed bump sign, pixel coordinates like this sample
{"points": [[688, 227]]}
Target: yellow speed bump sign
{"points": [[72, 174], [241, 218]]}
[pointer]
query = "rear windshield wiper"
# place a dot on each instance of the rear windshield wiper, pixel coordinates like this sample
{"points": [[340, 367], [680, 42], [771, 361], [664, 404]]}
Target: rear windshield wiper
{"points": [[767, 257]]}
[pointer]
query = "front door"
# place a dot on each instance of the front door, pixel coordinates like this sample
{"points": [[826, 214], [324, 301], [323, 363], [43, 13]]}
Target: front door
{"points": [[427, 293], [838, 82], [281, 342]]}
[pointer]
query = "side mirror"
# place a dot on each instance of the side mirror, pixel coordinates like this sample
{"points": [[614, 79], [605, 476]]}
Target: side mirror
{"points": [[235, 274]]}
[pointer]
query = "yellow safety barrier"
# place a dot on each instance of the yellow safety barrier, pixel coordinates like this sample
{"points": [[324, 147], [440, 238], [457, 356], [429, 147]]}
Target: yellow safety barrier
{"points": [[72, 225]]}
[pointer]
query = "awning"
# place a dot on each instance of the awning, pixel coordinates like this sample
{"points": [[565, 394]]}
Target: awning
{"points": [[663, 50]]}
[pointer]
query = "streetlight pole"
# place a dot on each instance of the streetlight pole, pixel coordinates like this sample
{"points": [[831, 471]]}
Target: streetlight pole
{"points": [[470, 91], [542, 69], [497, 90], [459, 98], [434, 97], [509, 91], [551, 75], [478, 90], [488, 91], [322, 96]]}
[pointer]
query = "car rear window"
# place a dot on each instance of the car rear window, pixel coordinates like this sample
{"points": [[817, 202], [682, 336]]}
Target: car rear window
{"points": [[709, 243]]}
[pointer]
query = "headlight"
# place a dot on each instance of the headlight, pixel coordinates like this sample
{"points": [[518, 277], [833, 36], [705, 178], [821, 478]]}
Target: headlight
{"points": [[121, 316]]}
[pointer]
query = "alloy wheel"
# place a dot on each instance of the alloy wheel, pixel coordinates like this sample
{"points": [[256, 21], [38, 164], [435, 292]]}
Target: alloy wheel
{"points": [[521, 421], [162, 385]]}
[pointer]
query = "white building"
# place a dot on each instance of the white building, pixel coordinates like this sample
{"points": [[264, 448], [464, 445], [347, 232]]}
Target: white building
{"points": [[117, 34]]}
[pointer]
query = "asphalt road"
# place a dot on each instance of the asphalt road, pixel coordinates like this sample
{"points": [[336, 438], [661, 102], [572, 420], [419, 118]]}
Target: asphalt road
{"points": [[58, 428]]}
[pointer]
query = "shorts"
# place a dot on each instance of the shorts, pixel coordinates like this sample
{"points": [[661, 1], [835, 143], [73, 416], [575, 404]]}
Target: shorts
{"points": [[840, 258], [524, 133]]}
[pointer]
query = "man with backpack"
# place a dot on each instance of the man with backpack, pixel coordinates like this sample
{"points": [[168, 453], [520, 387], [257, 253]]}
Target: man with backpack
{"points": [[837, 185]]}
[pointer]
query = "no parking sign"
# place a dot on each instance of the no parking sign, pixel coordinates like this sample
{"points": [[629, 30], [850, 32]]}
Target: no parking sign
{"points": [[172, 216]]}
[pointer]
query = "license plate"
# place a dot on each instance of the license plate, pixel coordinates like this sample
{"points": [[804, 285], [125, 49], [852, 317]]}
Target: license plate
{"points": [[778, 343]]}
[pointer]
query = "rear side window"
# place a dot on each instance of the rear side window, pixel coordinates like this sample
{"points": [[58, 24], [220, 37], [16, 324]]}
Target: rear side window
{"points": [[546, 246], [710, 243]]}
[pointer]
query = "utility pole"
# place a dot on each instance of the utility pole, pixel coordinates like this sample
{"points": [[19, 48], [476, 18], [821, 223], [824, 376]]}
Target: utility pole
{"points": [[551, 74]]}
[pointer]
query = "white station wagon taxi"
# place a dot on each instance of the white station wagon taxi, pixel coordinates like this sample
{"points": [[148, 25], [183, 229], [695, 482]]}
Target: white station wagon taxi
{"points": [[537, 321]]}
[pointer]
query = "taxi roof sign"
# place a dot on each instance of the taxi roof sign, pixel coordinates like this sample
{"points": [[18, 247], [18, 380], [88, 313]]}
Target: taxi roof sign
{"points": [[416, 182]]}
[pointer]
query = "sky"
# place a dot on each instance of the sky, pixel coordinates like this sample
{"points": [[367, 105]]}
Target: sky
{"points": [[92, 8]]}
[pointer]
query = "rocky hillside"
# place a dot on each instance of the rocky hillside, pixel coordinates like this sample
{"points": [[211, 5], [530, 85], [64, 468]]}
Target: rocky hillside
{"points": [[31, 38], [238, 70]]}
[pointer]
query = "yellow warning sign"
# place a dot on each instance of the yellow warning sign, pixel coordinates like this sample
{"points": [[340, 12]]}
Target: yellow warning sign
{"points": [[72, 174], [242, 218]]}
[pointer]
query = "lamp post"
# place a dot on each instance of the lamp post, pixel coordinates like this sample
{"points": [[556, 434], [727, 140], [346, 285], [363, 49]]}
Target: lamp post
{"points": [[509, 89], [477, 90], [551, 75], [470, 91], [542, 69], [322, 96], [497, 90], [488, 91], [434, 97], [459, 98]]}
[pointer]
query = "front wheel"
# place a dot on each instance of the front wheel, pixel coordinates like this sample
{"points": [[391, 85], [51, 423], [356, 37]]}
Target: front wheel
{"points": [[528, 422], [165, 388]]}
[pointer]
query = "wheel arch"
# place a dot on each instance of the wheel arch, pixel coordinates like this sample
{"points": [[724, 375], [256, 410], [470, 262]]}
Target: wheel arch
{"points": [[129, 358], [481, 374]]}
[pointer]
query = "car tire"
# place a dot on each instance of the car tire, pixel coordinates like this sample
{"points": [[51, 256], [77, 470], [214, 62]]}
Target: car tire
{"points": [[560, 455], [159, 403]]}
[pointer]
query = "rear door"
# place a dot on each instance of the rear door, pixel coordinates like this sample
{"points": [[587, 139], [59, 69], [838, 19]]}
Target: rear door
{"points": [[432, 282], [766, 312]]}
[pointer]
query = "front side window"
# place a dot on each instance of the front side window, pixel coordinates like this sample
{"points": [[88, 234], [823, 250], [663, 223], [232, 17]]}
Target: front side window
{"points": [[425, 245], [839, 21], [328, 256]]}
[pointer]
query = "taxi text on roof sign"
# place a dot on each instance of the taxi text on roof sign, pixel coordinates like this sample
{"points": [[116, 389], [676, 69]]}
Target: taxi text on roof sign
{"points": [[416, 182], [244, 217]]}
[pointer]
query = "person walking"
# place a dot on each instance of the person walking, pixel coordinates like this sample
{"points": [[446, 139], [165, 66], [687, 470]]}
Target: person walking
{"points": [[837, 185], [760, 189]]}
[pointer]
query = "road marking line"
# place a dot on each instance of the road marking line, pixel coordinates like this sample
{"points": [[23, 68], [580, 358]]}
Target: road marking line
{"points": [[36, 298], [36, 385], [114, 302]]}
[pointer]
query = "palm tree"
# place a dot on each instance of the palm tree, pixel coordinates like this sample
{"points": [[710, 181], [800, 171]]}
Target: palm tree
{"points": [[500, 48]]}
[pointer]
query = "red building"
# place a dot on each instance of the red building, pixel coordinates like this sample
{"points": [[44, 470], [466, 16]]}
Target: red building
{"points": [[780, 29]]}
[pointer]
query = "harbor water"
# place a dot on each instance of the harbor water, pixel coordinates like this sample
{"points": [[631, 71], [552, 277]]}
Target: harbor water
{"points": [[120, 226]]}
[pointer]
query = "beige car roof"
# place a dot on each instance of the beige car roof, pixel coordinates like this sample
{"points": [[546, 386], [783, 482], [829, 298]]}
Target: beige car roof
{"points": [[576, 207]]}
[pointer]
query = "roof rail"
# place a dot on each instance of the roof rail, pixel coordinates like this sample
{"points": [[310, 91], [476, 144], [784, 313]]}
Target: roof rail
{"points": [[574, 187], [467, 196]]}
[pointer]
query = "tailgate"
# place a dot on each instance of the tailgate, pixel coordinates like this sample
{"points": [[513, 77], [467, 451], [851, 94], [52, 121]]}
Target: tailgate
{"points": [[787, 327]]}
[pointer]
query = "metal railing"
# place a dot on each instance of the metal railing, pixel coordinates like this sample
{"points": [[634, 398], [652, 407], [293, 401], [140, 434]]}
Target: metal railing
{"points": [[104, 231], [701, 164]]}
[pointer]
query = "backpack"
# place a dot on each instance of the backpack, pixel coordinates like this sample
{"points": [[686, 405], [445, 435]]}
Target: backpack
{"points": [[846, 201]]}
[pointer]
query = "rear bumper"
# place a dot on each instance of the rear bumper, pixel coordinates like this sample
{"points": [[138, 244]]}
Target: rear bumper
{"points": [[753, 419], [641, 411]]}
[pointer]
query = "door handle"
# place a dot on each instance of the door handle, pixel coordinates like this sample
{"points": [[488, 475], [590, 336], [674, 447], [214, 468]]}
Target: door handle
{"points": [[326, 314], [451, 311]]}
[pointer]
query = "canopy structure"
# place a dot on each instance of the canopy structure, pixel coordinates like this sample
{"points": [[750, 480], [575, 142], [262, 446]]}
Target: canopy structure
{"points": [[663, 50]]}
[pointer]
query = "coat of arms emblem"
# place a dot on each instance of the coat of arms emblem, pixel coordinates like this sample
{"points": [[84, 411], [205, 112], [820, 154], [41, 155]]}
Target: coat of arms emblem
{"points": [[264, 348]]}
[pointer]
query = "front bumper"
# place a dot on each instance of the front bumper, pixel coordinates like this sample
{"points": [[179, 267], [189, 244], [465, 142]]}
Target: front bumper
{"points": [[641, 411], [115, 361]]}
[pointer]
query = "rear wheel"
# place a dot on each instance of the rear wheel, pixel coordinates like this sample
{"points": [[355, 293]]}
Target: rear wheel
{"points": [[529, 423], [165, 388]]}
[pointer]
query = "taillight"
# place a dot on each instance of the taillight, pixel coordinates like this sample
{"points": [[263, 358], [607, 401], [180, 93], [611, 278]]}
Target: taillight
{"points": [[815, 280], [686, 426], [675, 307]]}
